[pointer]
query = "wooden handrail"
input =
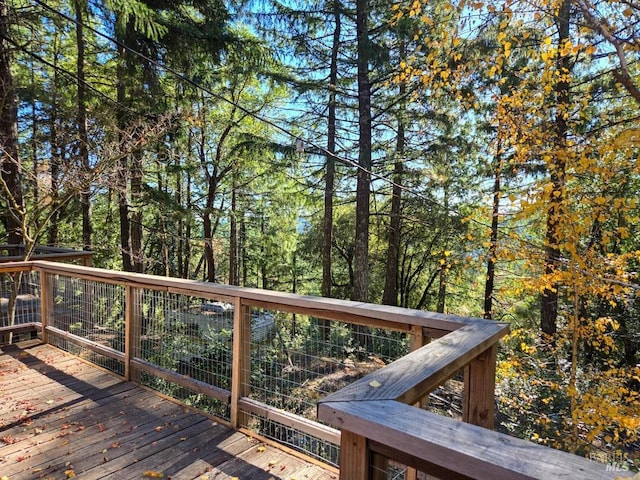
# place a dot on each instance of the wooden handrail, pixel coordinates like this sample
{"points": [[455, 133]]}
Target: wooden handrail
{"points": [[453, 449], [374, 417], [415, 375], [329, 308]]}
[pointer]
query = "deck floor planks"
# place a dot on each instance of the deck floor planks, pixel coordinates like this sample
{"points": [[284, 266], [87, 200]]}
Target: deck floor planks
{"points": [[76, 417], [137, 453], [51, 395], [169, 451], [97, 434], [85, 420]]}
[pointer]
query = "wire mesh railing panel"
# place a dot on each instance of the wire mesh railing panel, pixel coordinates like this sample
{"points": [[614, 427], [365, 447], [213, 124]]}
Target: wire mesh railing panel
{"points": [[297, 360], [91, 310], [19, 298], [187, 396], [383, 468], [88, 309], [447, 400], [389, 469], [293, 438], [189, 336], [108, 363]]}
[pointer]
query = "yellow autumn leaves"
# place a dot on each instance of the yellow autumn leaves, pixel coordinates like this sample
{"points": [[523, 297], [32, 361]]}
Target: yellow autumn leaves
{"points": [[152, 474]]}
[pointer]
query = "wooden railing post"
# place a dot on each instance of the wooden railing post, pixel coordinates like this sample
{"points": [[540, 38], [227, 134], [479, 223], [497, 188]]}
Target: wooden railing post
{"points": [[355, 457], [132, 330], [241, 361], [46, 302], [417, 340], [479, 389]]}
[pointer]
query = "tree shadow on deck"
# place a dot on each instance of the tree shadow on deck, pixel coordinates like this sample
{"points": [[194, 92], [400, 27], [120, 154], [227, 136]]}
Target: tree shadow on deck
{"points": [[101, 427]]}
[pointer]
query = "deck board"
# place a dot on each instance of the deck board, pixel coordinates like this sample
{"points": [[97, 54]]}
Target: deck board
{"points": [[59, 414]]}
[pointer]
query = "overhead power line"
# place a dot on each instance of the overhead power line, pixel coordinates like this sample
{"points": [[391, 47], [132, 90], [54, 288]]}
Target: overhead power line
{"points": [[318, 148], [64, 71]]}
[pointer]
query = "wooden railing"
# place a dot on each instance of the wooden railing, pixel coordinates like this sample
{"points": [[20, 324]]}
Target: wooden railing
{"points": [[378, 423], [14, 252], [126, 322]]}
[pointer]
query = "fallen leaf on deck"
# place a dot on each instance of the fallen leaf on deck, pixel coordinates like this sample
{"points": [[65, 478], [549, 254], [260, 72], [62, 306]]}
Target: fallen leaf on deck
{"points": [[153, 474], [101, 427], [261, 448], [159, 428], [49, 402], [70, 473], [272, 462], [115, 445]]}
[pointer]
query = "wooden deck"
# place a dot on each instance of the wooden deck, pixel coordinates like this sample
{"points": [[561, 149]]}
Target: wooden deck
{"points": [[60, 418]]}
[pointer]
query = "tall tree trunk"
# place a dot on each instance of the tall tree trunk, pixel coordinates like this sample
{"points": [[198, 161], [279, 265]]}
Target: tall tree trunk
{"points": [[56, 148], [493, 245], [327, 232], [35, 160], [165, 235], [214, 179], [81, 120], [182, 241], [263, 263], [135, 174], [444, 264], [390, 293], [363, 186], [442, 289], [233, 235], [10, 164], [549, 304], [123, 170], [212, 189], [187, 233], [243, 254]]}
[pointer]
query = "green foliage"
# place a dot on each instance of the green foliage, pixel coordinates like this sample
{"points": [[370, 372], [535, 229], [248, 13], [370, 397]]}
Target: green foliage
{"points": [[537, 399]]}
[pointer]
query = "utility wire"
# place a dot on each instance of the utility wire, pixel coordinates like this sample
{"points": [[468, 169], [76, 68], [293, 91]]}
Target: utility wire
{"points": [[66, 72], [318, 148]]}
